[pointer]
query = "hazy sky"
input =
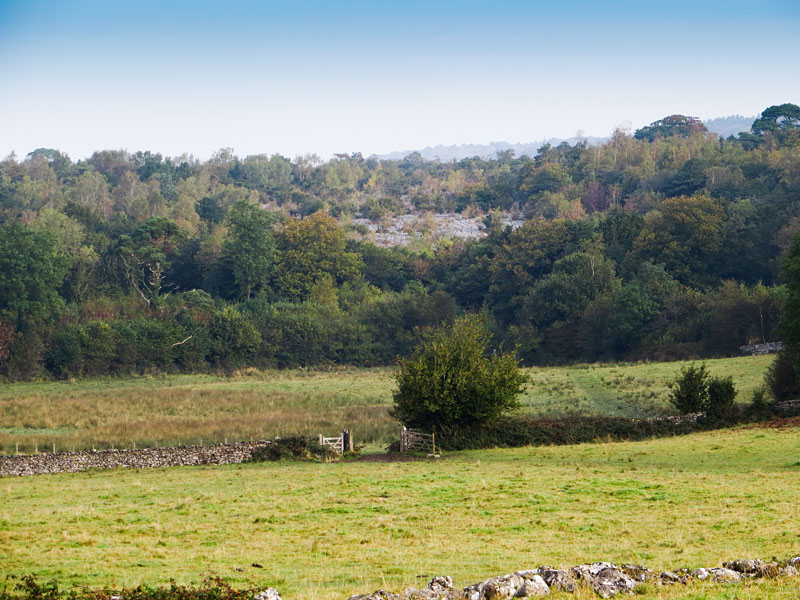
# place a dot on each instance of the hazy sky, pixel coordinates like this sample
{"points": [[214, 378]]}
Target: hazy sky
{"points": [[295, 77]]}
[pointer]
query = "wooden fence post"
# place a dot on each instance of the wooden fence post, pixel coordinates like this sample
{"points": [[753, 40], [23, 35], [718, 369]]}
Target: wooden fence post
{"points": [[347, 441]]}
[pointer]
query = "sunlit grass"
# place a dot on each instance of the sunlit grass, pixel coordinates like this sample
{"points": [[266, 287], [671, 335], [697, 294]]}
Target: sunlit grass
{"points": [[185, 409], [330, 530]]}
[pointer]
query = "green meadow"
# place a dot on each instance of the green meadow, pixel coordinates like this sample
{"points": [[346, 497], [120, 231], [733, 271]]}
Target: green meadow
{"points": [[185, 409], [327, 531]]}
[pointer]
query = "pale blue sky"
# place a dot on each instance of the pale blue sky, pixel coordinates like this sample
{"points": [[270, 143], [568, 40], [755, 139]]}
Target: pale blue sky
{"points": [[324, 77]]}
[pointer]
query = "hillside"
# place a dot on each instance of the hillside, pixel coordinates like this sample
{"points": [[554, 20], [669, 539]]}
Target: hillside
{"points": [[664, 243]]}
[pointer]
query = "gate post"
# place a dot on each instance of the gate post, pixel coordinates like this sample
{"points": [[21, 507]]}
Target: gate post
{"points": [[347, 441]]}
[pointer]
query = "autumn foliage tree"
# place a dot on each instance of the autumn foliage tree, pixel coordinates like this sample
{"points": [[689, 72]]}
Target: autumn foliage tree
{"points": [[309, 250]]}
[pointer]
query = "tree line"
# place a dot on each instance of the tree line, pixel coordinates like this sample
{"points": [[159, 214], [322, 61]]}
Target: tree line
{"points": [[664, 243]]}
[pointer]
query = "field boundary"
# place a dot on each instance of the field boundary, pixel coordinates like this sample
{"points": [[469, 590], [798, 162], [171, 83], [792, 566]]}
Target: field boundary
{"points": [[145, 458]]}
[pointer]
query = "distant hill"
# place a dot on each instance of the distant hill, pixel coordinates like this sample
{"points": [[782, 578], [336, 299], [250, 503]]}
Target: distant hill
{"points": [[490, 150], [727, 126], [723, 126]]}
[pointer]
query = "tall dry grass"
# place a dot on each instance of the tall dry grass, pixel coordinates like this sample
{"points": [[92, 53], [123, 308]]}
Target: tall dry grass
{"points": [[185, 409]]}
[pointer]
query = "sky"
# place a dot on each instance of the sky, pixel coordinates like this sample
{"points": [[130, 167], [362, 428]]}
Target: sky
{"points": [[298, 77]]}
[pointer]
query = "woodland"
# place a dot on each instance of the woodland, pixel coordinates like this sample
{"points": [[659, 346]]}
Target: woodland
{"points": [[662, 243]]}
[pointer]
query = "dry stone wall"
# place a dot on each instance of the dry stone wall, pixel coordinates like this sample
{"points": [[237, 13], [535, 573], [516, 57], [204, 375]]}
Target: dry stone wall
{"points": [[72, 462], [604, 578]]}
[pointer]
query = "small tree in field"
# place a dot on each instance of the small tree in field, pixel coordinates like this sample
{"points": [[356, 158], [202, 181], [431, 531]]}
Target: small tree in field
{"points": [[696, 391], [453, 382], [689, 391]]}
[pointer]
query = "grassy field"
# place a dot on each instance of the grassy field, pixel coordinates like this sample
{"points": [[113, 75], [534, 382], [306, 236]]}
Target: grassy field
{"points": [[183, 409], [326, 531]]}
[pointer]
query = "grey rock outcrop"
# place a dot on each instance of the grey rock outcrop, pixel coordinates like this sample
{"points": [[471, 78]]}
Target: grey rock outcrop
{"points": [[719, 574], [439, 588], [669, 577], [441, 584], [639, 573], [606, 579], [268, 594], [533, 585], [522, 584], [557, 579], [379, 595], [747, 566]]}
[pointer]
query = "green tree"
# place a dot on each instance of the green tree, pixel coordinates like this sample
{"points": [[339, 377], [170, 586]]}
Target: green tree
{"points": [[145, 256], [721, 399], [783, 376], [234, 339], [250, 247], [452, 381], [782, 117], [696, 391], [673, 125], [685, 235], [309, 250], [689, 392], [575, 281], [70, 239], [528, 254], [31, 272], [790, 323]]}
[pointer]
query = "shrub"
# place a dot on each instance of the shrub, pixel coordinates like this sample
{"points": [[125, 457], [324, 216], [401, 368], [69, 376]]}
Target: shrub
{"points": [[512, 432], [293, 448], [759, 408], [781, 377], [695, 391], [689, 392], [721, 399], [234, 340], [66, 356], [451, 383]]}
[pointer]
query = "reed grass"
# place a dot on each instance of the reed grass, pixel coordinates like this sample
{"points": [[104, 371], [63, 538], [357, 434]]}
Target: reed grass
{"points": [[185, 409]]}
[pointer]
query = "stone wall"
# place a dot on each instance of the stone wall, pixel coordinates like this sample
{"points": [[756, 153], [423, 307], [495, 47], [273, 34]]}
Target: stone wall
{"points": [[604, 578], [72, 462], [788, 408], [768, 348]]}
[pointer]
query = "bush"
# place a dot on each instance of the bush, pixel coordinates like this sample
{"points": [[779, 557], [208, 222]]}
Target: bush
{"points": [[450, 383], [695, 391], [721, 399], [781, 377], [293, 448], [513, 432], [689, 393], [759, 408], [234, 340]]}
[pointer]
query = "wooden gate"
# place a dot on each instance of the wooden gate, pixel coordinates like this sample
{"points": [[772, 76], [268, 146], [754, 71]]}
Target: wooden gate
{"points": [[412, 440], [339, 444]]}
